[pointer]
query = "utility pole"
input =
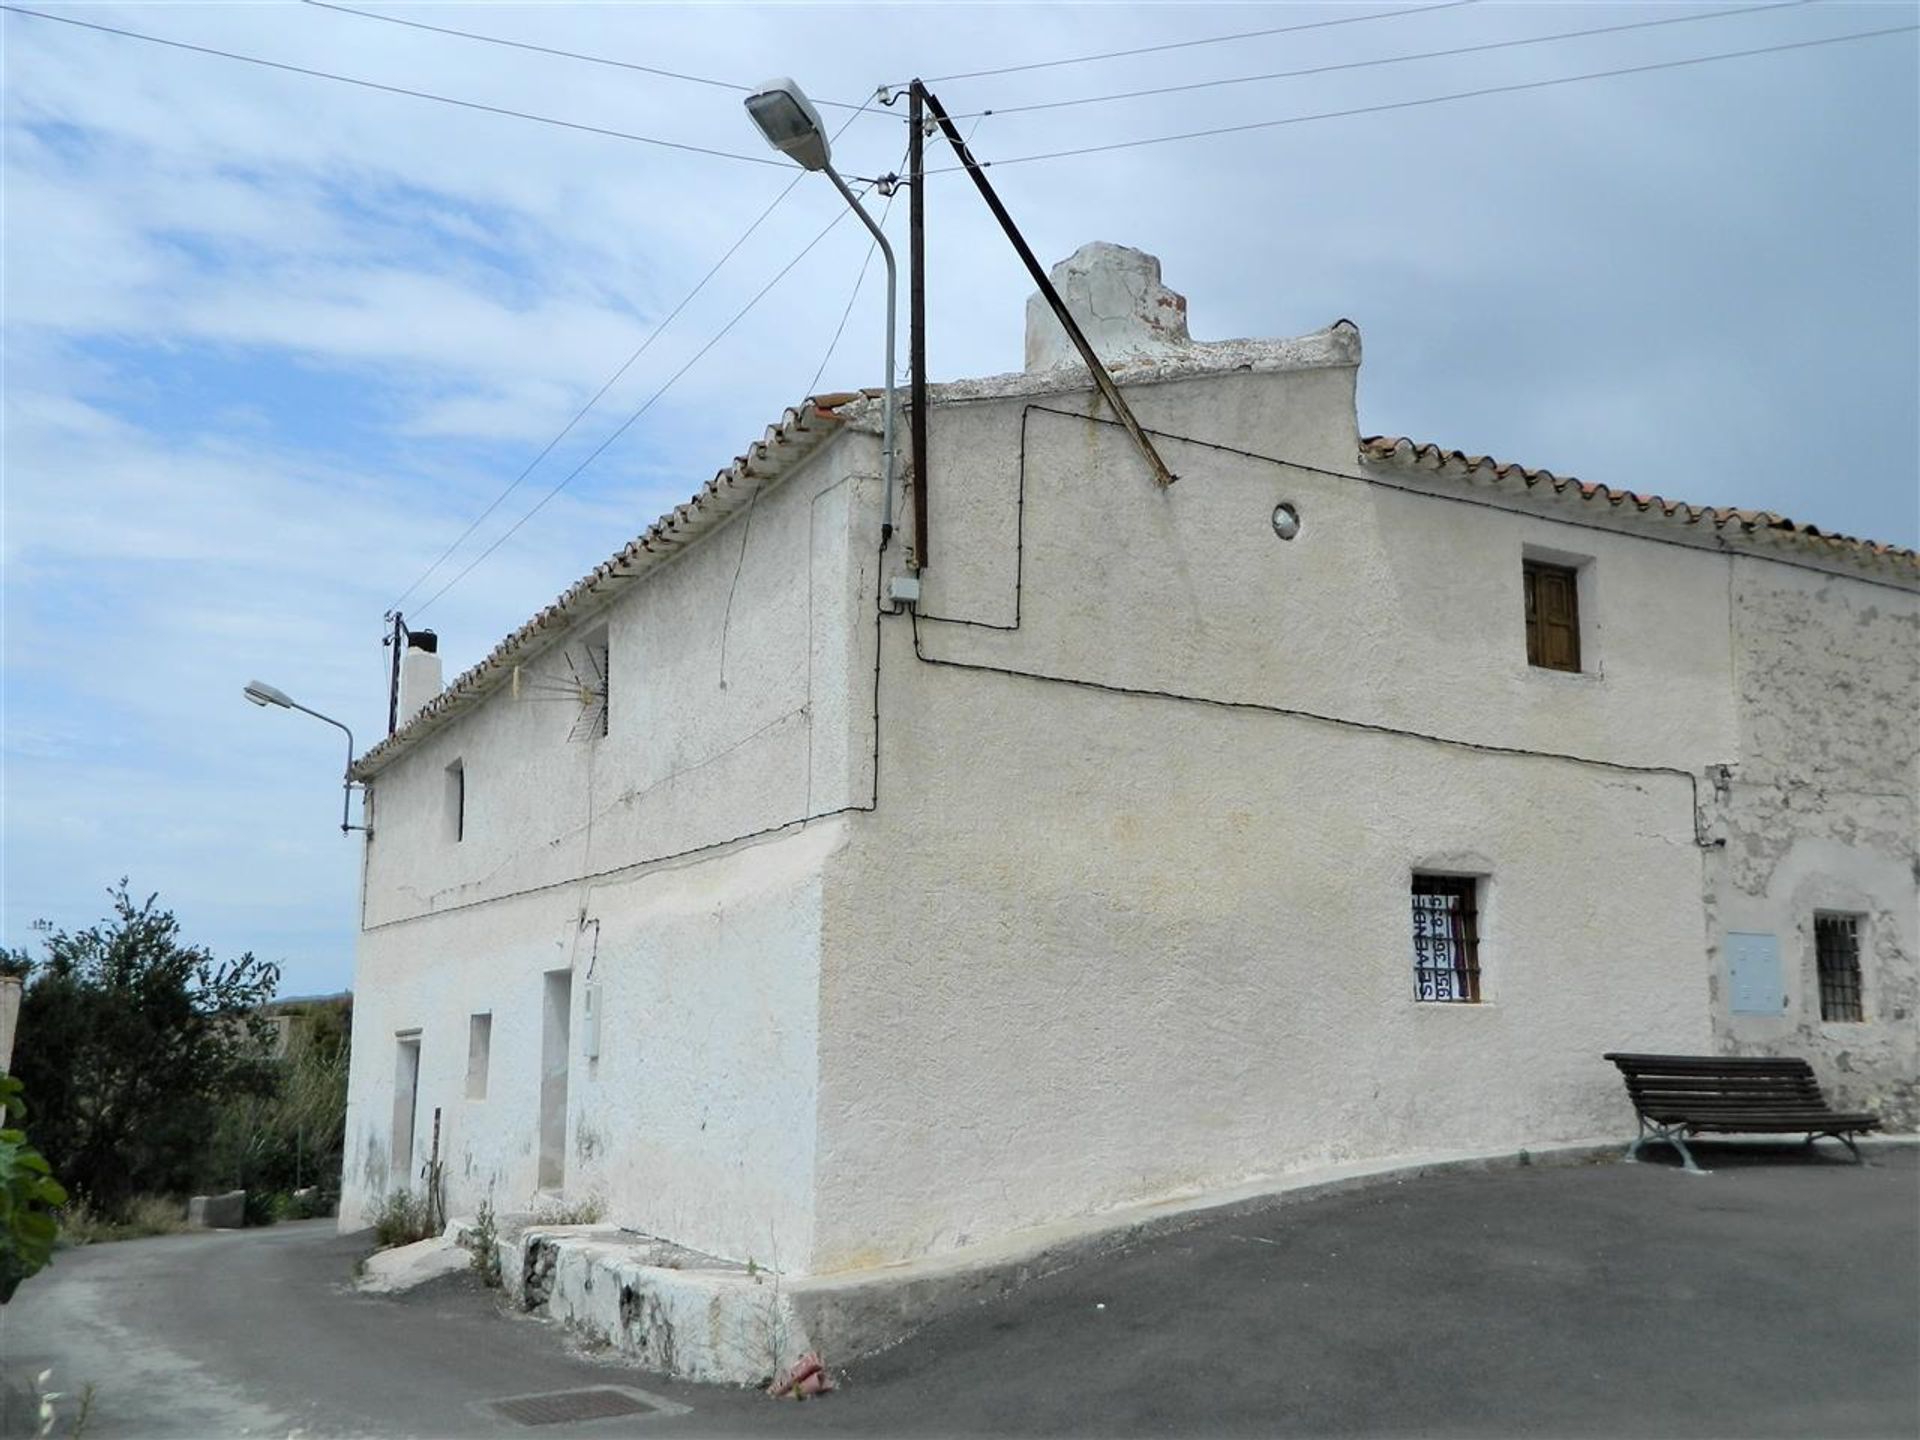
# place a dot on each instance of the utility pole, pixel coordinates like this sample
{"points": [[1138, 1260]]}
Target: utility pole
{"points": [[398, 641], [917, 314]]}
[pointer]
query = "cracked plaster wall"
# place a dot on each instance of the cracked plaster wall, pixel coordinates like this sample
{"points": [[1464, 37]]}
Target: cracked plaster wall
{"points": [[1820, 815]]}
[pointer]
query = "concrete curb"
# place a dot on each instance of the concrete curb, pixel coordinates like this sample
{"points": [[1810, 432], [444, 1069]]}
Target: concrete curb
{"points": [[700, 1318]]}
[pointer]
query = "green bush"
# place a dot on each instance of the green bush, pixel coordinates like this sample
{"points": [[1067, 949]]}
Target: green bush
{"points": [[29, 1195], [484, 1241], [295, 1135], [400, 1219], [261, 1207], [135, 1037]]}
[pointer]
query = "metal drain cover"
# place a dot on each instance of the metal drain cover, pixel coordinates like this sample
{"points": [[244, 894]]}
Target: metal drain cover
{"points": [[563, 1407]]}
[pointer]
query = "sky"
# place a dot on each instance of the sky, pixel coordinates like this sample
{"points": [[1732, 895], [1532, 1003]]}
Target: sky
{"points": [[273, 342]]}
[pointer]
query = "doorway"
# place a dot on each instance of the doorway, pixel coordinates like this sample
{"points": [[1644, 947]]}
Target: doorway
{"points": [[406, 1099], [555, 1037]]}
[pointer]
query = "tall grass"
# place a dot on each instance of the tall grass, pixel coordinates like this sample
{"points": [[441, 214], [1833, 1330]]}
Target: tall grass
{"points": [[81, 1224]]}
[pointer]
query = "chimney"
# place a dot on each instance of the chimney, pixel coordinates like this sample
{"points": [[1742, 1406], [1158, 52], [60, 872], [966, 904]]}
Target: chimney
{"points": [[1114, 293], [419, 672]]}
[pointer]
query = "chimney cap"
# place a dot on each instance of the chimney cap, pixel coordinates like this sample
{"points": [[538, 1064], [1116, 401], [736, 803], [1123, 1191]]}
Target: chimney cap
{"points": [[423, 640]]}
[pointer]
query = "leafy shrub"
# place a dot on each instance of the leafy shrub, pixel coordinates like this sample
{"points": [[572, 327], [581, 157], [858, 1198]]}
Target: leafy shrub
{"points": [[136, 1036], [484, 1241], [311, 1204], [29, 1196], [293, 1136], [261, 1207], [400, 1219]]}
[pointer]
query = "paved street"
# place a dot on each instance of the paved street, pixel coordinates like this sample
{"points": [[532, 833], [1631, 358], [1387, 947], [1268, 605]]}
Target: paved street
{"points": [[1774, 1297]]}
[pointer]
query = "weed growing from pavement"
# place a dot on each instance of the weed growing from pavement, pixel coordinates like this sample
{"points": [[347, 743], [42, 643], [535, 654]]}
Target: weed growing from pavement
{"points": [[589, 1211], [400, 1219], [50, 1415], [484, 1241]]}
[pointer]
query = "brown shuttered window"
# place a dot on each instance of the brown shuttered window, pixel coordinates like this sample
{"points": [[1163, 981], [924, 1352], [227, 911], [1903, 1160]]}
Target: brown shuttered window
{"points": [[1553, 616]]}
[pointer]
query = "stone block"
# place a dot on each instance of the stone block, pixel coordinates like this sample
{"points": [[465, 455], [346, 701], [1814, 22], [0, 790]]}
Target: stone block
{"points": [[218, 1212]]}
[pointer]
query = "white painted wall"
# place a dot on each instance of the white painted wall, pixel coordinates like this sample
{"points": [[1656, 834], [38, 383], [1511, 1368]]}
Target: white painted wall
{"points": [[1133, 922], [1141, 945], [696, 1120]]}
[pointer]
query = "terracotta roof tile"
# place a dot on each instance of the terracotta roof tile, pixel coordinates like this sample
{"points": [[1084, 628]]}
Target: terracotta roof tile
{"points": [[1398, 449]]}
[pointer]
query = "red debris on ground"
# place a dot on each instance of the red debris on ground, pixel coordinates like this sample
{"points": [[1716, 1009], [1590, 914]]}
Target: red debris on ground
{"points": [[806, 1377]]}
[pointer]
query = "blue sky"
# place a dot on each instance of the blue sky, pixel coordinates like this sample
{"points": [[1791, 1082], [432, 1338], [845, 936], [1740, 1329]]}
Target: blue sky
{"points": [[272, 342]]}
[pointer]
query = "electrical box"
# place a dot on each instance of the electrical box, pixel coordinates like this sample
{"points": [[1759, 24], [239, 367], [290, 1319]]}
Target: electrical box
{"points": [[1754, 982], [590, 1040], [904, 590]]}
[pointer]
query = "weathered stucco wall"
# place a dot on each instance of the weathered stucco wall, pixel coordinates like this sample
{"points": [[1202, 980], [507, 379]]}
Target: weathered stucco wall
{"points": [[1140, 944], [1821, 817], [696, 1120], [731, 719], [1124, 911]]}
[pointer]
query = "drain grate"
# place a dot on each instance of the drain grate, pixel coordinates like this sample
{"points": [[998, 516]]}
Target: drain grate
{"points": [[564, 1406]]}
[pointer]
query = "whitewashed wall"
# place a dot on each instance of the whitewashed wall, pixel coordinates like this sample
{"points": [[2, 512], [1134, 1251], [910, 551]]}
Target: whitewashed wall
{"points": [[1146, 933], [1141, 946], [696, 1121]]}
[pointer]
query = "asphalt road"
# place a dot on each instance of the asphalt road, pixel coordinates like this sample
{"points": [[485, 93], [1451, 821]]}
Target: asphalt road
{"points": [[1774, 1297]]}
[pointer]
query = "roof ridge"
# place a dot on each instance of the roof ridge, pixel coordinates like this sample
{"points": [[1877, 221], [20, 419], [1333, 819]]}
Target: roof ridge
{"points": [[1405, 451]]}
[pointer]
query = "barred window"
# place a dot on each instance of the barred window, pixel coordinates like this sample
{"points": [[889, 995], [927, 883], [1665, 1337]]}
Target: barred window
{"points": [[1836, 949], [1446, 939]]}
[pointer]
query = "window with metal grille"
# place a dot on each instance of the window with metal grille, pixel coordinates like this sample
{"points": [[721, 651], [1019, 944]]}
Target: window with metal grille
{"points": [[1446, 938], [1836, 949], [1553, 615]]}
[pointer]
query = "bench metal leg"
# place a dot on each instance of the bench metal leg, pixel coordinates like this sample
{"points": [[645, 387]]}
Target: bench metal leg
{"points": [[1673, 1136], [1846, 1140]]}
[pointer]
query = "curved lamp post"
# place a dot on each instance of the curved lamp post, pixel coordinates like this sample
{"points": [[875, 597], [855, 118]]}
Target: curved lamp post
{"points": [[791, 125], [261, 693]]}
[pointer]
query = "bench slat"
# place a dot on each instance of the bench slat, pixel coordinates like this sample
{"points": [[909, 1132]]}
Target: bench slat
{"points": [[1728, 1094]]}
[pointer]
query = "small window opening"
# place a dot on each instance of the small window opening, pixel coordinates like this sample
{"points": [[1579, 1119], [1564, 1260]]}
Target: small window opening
{"points": [[1836, 949], [1446, 939], [457, 801], [1553, 615], [479, 1048]]}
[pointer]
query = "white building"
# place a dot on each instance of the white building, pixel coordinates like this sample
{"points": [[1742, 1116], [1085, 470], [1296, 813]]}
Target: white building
{"points": [[795, 924]]}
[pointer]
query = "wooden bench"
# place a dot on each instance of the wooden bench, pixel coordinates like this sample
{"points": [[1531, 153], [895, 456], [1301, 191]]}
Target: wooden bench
{"points": [[1675, 1096]]}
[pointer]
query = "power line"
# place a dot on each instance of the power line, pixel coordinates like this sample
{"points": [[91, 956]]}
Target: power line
{"points": [[599, 394], [1387, 60], [1438, 99], [553, 50], [1188, 44], [645, 406], [398, 89], [612, 379]]}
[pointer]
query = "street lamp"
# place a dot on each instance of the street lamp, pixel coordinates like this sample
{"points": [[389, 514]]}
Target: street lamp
{"points": [[791, 125], [263, 694]]}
